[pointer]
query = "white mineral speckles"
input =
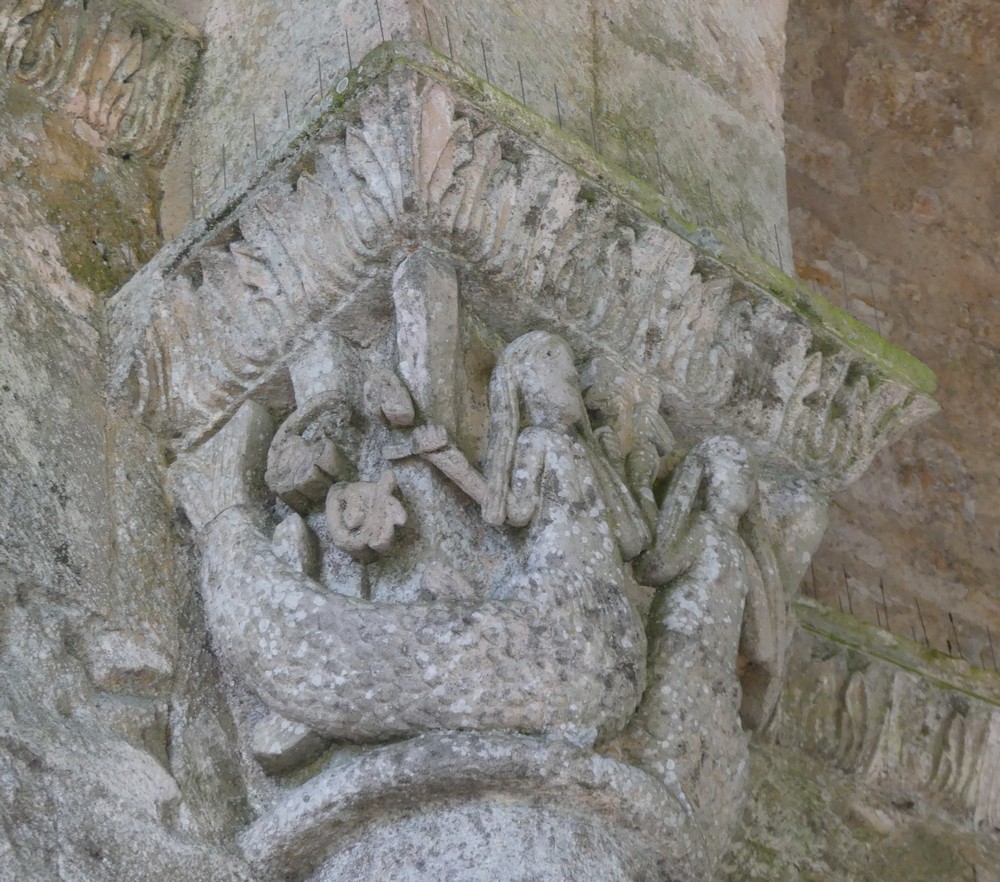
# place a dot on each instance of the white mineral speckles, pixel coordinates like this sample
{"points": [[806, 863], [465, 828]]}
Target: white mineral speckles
{"points": [[574, 565]]}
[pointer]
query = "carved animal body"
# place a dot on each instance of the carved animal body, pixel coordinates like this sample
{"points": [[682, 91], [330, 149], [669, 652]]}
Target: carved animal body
{"points": [[558, 648], [564, 653]]}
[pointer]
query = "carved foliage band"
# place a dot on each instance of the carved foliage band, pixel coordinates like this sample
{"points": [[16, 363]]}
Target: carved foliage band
{"points": [[899, 732], [120, 70], [549, 251]]}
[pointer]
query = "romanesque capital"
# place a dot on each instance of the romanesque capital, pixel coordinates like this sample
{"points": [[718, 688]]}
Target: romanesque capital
{"points": [[501, 486]]}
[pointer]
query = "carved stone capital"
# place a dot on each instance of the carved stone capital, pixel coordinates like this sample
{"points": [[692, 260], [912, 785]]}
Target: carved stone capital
{"points": [[426, 283], [415, 156]]}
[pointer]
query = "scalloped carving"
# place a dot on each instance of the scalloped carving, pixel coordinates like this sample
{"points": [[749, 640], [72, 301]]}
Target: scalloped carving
{"points": [[540, 247], [121, 71]]}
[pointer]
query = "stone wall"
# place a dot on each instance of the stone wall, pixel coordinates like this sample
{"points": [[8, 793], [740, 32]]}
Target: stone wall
{"points": [[892, 121], [313, 286], [120, 758], [881, 763], [809, 821], [113, 747], [713, 117]]}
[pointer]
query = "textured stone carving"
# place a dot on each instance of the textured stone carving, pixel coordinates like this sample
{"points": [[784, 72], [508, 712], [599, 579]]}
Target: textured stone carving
{"points": [[280, 745], [540, 808], [120, 69], [412, 296], [295, 544], [688, 728], [899, 732], [553, 643], [304, 459], [195, 338], [557, 648], [362, 517], [633, 435]]}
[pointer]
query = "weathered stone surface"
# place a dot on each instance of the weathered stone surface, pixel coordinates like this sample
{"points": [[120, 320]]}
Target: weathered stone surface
{"points": [[119, 69], [87, 791], [125, 662], [296, 545], [363, 517], [96, 635], [809, 821], [892, 112], [482, 807], [280, 745], [714, 114], [881, 763], [194, 11], [692, 734], [709, 134], [901, 731], [260, 77], [430, 280], [419, 285], [365, 672], [414, 167]]}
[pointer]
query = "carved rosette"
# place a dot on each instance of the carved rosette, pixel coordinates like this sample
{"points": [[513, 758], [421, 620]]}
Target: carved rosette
{"points": [[120, 69]]}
